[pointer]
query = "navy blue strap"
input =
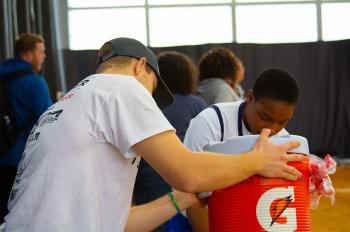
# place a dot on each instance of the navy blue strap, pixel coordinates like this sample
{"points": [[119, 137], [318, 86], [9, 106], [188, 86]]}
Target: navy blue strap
{"points": [[240, 115], [218, 112]]}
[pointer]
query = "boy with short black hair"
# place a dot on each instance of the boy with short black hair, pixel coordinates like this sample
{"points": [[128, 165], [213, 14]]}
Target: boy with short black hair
{"points": [[270, 104]]}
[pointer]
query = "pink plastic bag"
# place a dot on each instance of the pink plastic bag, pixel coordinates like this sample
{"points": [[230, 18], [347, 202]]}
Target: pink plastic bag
{"points": [[320, 183]]}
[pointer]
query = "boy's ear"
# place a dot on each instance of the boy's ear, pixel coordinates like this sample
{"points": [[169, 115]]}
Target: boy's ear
{"points": [[28, 56], [140, 66], [250, 96]]}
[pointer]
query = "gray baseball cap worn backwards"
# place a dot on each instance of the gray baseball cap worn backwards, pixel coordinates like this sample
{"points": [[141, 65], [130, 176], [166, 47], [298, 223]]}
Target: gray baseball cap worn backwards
{"points": [[133, 48]]}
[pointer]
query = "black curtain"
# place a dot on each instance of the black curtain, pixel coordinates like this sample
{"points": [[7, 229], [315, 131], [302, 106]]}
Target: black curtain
{"points": [[322, 70]]}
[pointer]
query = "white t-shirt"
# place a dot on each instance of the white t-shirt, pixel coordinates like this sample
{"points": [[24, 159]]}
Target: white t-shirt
{"points": [[205, 127], [78, 170]]}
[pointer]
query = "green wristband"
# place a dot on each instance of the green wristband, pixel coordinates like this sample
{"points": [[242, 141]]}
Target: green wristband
{"points": [[174, 202]]}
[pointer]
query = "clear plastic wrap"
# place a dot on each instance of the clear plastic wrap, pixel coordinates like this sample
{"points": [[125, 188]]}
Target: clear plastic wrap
{"points": [[320, 182]]}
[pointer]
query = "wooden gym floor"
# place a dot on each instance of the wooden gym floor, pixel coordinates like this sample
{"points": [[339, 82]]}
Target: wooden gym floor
{"points": [[334, 218]]}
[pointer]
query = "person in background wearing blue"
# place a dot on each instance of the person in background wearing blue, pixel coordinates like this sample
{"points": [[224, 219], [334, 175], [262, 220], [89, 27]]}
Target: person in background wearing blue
{"points": [[29, 97], [180, 75]]}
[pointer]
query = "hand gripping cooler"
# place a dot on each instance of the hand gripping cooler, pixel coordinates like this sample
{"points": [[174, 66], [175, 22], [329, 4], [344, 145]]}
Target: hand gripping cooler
{"points": [[258, 203]]}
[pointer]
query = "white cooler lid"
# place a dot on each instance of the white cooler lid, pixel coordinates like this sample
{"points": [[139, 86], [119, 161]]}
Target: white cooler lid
{"points": [[246, 143]]}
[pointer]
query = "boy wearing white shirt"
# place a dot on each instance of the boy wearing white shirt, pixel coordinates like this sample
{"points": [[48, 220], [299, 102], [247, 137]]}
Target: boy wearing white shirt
{"points": [[270, 104]]}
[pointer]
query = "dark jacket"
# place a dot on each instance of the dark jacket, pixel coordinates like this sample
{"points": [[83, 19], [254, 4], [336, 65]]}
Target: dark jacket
{"points": [[29, 98]]}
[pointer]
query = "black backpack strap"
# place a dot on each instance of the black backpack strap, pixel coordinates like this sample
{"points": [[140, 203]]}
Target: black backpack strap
{"points": [[218, 112], [16, 74], [6, 108]]}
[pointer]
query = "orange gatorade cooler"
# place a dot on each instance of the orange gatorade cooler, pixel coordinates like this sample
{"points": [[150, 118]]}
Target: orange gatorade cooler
{"points": [[258, 203]]}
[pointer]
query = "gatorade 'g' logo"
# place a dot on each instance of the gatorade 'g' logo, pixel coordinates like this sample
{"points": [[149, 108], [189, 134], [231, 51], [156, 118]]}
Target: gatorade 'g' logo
{"points": [[272, 210]]}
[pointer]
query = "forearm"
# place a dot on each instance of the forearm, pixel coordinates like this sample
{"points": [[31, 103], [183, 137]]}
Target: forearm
{"points": [[212, 171], [205, 171], [149, 216], [194, 172]]}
